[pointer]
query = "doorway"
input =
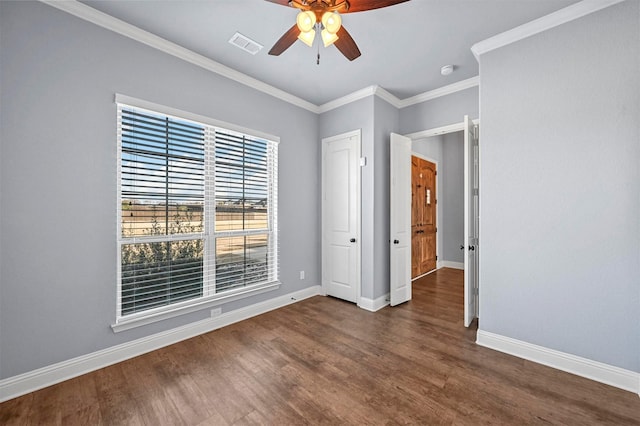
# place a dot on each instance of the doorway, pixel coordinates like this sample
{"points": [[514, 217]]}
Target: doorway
{"points": [[400, 167], [423, 216]]}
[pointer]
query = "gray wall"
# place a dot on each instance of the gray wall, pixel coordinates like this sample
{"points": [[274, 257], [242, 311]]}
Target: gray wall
{"points": [[452, 196], [560, 188], [386, 118], [354, 116], [58, 76], [441, 111]]}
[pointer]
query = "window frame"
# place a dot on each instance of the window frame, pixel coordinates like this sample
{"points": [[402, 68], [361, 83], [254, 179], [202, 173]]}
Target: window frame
{"points": [[209, 297]]}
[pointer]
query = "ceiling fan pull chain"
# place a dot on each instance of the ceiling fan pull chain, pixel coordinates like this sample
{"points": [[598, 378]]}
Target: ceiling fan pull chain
{"points": [[318, 60]]}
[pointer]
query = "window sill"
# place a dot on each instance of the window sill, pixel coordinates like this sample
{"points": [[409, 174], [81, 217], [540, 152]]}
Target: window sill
{"points": [[198, 305]]}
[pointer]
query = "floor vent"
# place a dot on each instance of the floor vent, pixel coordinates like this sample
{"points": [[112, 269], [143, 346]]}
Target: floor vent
{"points": [[245, 43]]}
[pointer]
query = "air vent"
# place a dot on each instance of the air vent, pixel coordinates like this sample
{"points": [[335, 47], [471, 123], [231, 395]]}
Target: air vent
{"points": [[245, 43]]}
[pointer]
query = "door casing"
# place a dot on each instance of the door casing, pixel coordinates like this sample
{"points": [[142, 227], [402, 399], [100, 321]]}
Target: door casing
{"points": [[452, 128]]}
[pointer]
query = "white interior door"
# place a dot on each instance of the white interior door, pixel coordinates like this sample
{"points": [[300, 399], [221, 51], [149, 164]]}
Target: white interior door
{"points": [[341, 216], [400, 220], [470, 223]]}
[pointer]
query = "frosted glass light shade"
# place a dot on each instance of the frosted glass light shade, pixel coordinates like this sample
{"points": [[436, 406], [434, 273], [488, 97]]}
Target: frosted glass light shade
{"points": [[307, 37], [305, 21], [328, 38], [331, 22]]}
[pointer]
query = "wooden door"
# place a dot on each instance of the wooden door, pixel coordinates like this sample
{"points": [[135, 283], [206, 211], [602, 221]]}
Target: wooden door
{"points": [[416, 216], [423, 216], [341, 216]]}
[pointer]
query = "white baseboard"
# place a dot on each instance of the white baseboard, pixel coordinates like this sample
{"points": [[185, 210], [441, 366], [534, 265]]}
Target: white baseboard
{"points": [[15, 386], [600, 372], [374, 305], [449, 264]]}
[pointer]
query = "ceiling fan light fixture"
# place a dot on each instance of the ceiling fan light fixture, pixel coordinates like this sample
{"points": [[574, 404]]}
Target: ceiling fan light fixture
{"points": [[328, 38], [331, 21], [307, 37], [306, 20]]}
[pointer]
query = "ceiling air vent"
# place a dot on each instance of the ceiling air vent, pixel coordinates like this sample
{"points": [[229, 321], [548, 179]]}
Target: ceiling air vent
{"points": [[245, 43]]}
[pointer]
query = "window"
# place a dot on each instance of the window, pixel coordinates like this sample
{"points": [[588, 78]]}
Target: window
{"points": [[197, 213]]}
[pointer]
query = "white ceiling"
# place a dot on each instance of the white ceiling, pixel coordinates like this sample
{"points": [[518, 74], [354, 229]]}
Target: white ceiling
{"points": [[403, 46]]}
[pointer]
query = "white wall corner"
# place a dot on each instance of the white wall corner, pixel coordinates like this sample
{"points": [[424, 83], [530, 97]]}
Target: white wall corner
{"points": [[583, 367], [373, 305], [22, 384], [562, 16]]}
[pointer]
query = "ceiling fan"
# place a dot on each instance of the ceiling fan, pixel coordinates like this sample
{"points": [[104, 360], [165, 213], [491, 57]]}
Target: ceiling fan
{"points": [[324, 16]]}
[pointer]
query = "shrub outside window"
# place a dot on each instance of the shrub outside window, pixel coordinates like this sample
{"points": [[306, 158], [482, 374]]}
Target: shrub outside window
{"points": [[197, 212]]}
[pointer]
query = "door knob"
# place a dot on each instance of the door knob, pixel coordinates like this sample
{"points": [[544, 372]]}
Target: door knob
{"points": [[353, 240], [472, 248], [396, 242], [461, 247]]}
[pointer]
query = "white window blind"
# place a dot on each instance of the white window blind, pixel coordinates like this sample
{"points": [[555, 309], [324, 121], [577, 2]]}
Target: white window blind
{"points": [[197, 207], [245, 211]]}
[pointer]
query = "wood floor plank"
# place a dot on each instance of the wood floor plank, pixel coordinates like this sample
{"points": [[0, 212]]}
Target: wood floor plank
{"points": [[325, 361]]}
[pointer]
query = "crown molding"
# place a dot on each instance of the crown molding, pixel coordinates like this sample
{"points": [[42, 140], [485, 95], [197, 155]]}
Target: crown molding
{"points": [[396, 102], [392, 99], [441, 91], [562, 16], [118, 26], [104, 20], [347, 99]]}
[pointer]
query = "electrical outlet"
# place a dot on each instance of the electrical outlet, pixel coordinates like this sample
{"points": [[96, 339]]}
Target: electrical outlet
{"points": [[216, 312], [302, 275]]}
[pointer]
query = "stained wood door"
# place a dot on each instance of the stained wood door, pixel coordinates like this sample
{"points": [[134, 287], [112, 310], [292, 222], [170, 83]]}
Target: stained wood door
{"points": [[400, 220], [341, 216], [423, 216]]}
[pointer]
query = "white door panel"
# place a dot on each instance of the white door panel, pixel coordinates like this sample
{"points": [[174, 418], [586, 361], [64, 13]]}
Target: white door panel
{"points": [[470, 223], [341, 216], [400, 220]]}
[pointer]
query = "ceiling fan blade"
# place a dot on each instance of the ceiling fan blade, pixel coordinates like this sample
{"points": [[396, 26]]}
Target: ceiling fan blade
{"points": [[285, 41], [282, 2], [346, 45], [362, 5]]}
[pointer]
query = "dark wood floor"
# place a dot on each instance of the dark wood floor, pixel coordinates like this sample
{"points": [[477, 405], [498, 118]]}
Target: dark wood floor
{"points": [[326, 361]]}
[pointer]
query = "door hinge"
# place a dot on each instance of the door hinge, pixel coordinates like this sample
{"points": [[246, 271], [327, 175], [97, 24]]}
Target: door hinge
{"points": [[436, 257], [435, 173], [475, 191], [436, 229]]}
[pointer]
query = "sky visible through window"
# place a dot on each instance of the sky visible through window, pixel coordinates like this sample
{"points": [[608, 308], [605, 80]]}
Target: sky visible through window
{"points": [[163, 170]]}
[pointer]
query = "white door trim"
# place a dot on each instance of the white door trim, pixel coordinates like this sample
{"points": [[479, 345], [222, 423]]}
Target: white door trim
{"points": [[325, 141], [436, 131], [443, 130]]}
